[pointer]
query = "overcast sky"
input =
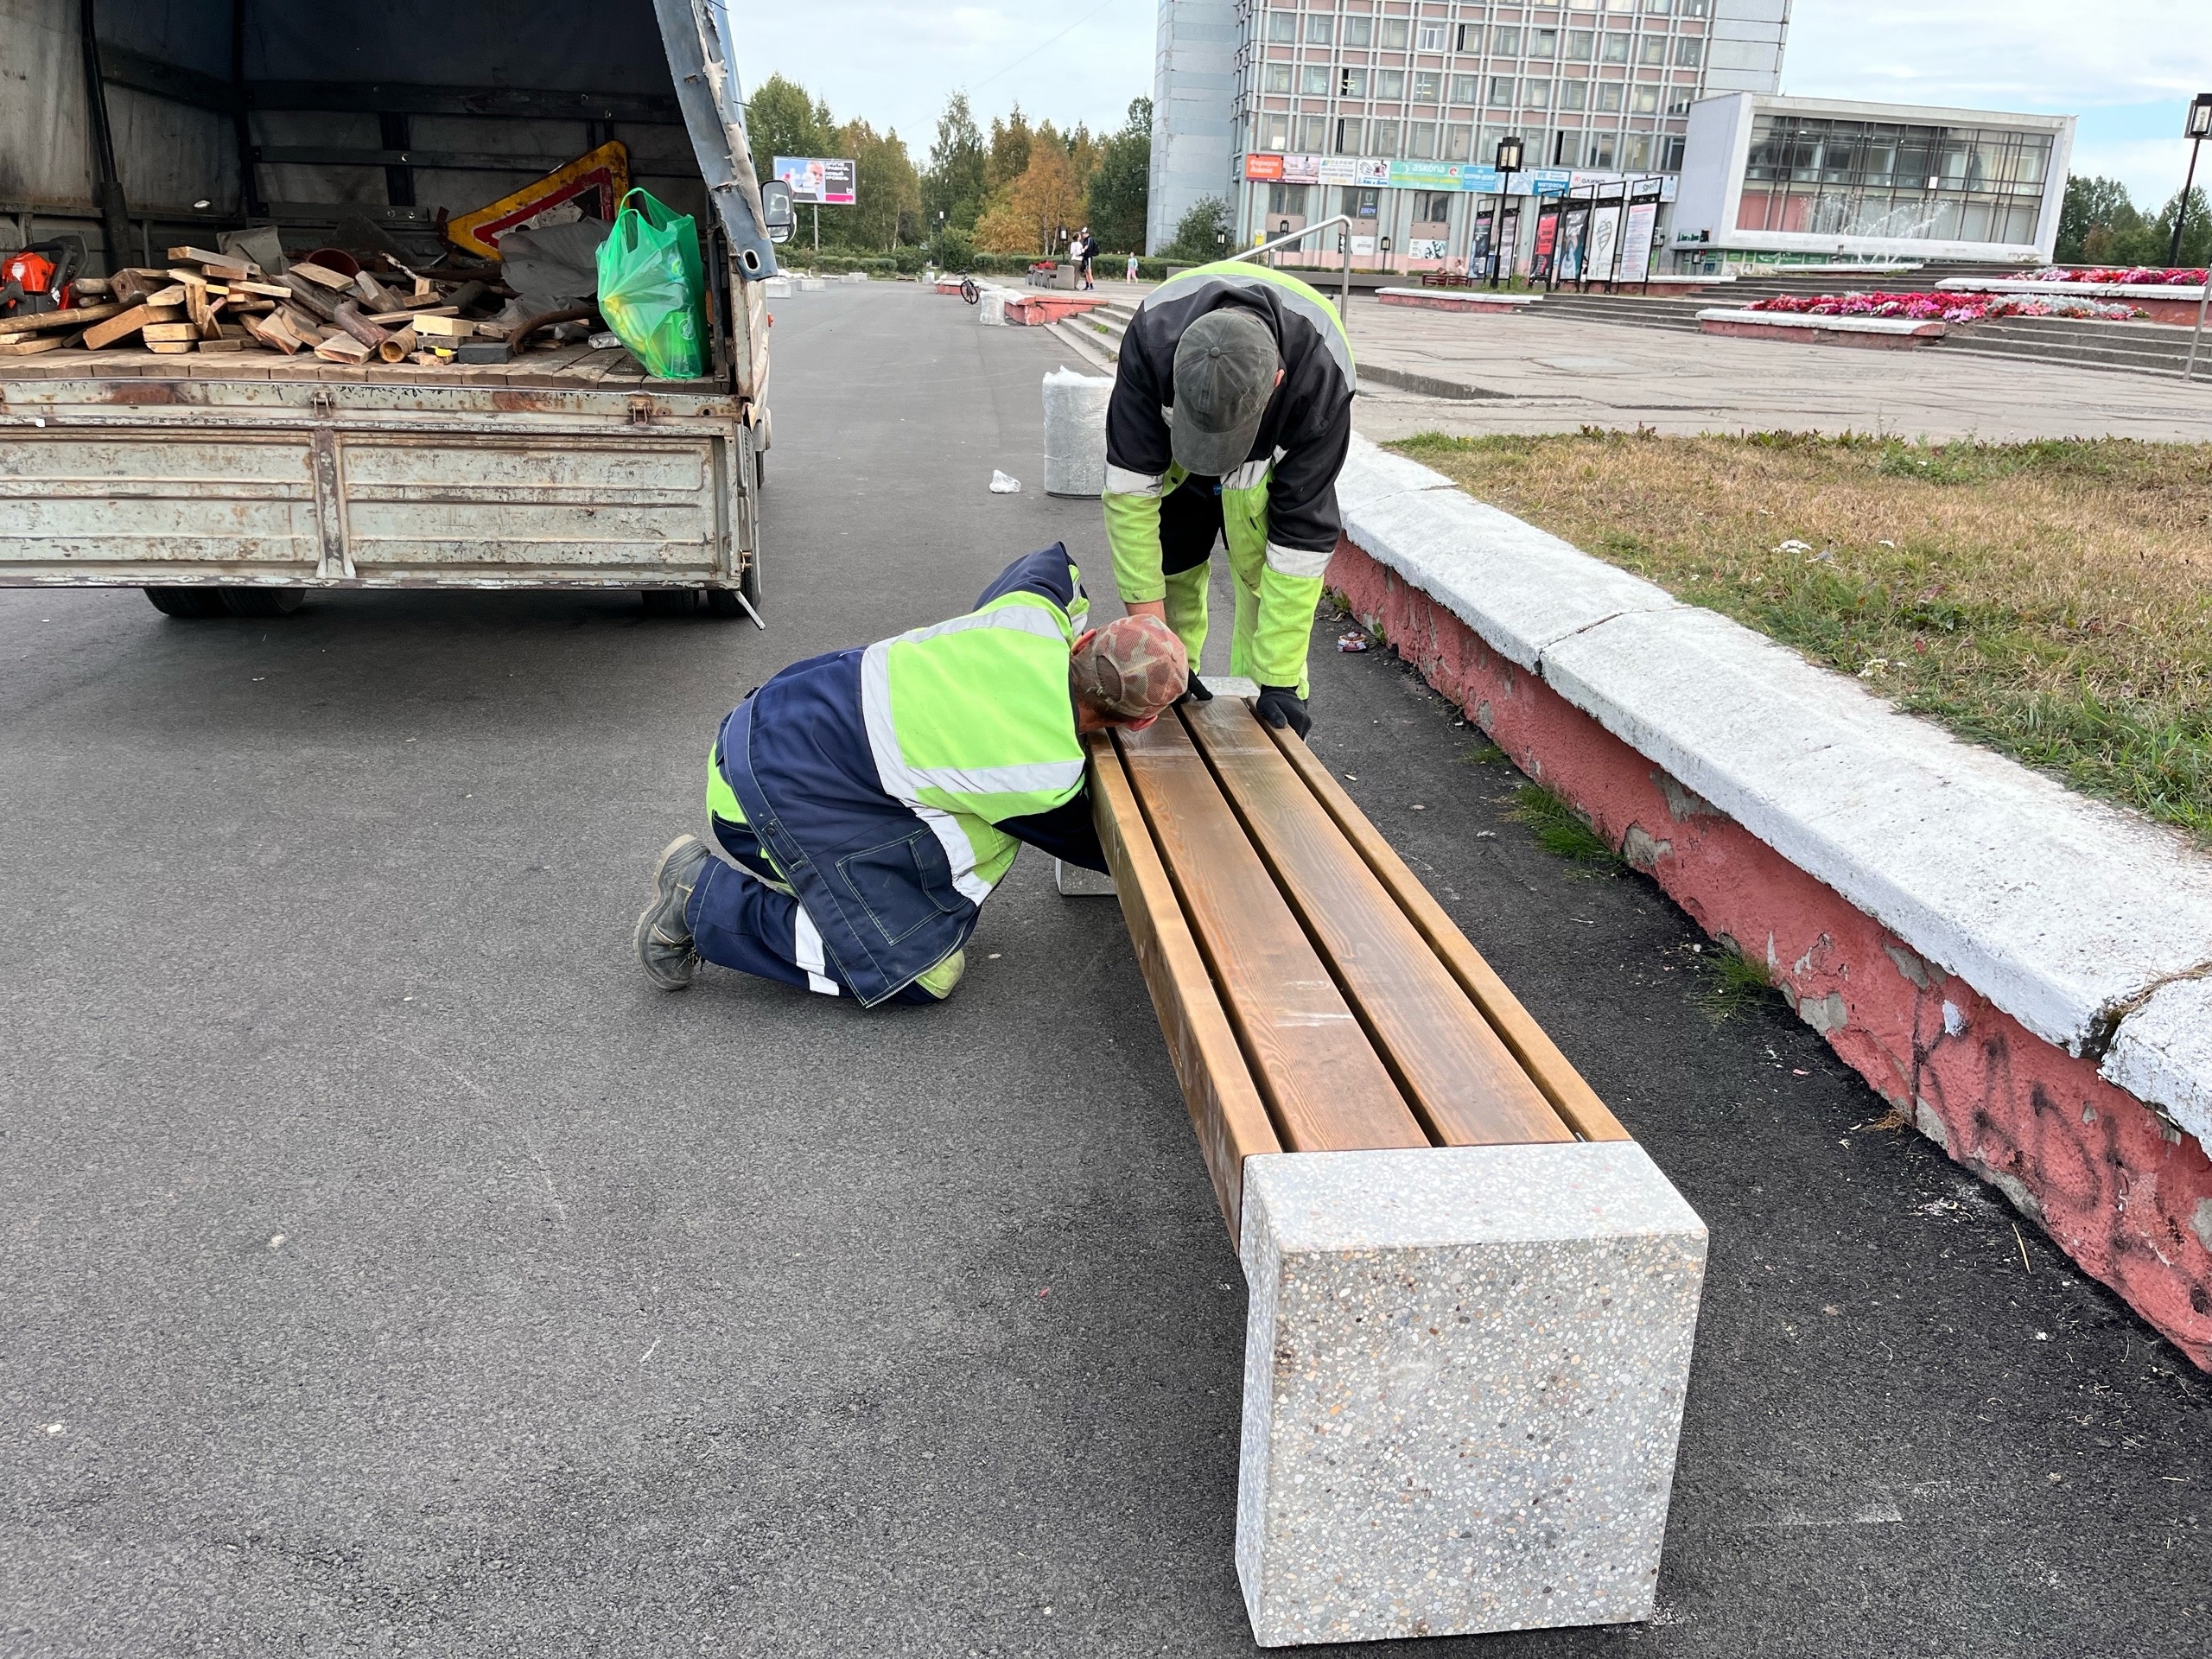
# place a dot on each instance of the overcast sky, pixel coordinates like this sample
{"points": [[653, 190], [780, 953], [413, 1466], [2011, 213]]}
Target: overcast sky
{"points": [[2126, 67]]}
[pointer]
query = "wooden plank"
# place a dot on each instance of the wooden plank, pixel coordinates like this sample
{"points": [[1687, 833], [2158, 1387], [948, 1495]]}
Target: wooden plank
{"points": [[1326, 1089], [128, 322], [1572, 1097], [1463, 1083], [1226, 1110], [76, 316], [31, 345]]}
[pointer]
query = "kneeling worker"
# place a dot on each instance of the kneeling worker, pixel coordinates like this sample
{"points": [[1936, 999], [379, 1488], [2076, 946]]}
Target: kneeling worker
{"points": [[872, 798]]}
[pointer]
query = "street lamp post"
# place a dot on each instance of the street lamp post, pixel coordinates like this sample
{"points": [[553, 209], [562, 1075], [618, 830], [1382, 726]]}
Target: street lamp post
{"points": [[1508, 163], [2199, 129]]}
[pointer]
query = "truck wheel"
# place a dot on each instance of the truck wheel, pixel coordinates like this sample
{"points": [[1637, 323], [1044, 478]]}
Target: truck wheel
{"points": [[264, 602], [193, 604], [670, 601], [722, 603]]}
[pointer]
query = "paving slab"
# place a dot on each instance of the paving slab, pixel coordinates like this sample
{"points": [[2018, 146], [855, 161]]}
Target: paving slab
{"points": [[1554, 373]]}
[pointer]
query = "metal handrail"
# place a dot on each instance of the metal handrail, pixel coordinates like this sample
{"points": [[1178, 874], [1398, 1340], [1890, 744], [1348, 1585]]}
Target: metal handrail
{"points": [[1343, 288]]}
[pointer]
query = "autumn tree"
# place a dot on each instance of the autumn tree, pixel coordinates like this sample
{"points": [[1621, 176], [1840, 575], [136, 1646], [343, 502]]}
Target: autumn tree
{"points": [[1027, 215], [1118, 190], [1010, 154], [953, 188]]}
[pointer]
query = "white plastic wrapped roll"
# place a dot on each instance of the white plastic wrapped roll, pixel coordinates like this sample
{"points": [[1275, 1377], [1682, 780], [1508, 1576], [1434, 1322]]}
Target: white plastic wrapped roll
{"points": [[1074, 432], [991, 307]]}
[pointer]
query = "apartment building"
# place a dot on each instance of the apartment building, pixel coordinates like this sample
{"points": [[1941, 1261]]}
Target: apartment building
{"points": [[1294, 111]]}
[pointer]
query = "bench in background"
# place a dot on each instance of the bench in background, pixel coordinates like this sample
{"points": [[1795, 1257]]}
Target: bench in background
{"points": [[1471, 1295]]}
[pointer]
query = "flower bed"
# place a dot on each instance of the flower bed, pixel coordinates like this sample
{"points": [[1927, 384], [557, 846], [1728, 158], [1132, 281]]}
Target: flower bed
{"points": [[2116, 276], [1943, 308]]}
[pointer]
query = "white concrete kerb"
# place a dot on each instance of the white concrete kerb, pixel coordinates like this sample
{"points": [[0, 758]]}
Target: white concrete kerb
{"points": [[2086, 924], [1922, 326], [1464, 1377]]}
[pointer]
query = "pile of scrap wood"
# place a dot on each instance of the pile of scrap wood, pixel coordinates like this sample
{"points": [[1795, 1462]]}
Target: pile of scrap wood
{"points": [[217, 303]]}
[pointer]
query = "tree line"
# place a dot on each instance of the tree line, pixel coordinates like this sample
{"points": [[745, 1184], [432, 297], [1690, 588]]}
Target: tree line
{"points": [[2099, 225], [1016, 190]]}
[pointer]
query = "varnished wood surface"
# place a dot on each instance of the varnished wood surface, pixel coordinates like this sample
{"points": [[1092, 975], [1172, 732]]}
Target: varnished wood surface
{"points": [[1226, 1110], [1569, 1094], [1326, 1087], [1462, 1082]]}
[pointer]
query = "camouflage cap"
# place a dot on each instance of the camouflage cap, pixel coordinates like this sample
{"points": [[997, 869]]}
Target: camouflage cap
{"points": [[1132, 668]]}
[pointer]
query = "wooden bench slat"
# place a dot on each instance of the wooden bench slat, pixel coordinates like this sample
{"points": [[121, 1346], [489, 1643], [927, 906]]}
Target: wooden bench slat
{"points": [[1226, 1110], [1571, 1097], [1462, 1081], [1326, 1089]]}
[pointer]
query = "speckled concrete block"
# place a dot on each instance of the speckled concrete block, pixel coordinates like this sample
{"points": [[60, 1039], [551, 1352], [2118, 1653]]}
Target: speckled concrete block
{"points": [[1463, 1385]]}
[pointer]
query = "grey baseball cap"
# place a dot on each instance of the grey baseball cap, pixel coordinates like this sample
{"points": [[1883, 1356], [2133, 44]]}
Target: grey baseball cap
{"points": [[1225, 368]]}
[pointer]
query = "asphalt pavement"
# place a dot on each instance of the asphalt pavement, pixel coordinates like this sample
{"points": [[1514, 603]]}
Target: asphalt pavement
{"points": [[386, 1268]]}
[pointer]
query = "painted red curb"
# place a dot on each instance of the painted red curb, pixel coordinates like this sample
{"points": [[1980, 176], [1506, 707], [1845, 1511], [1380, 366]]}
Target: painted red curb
{"points": [[2126, 1194], [1822, 336]]}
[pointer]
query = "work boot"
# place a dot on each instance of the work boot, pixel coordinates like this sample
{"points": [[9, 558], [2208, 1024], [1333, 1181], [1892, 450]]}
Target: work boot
{"points": [[664, 950], [939, 980]]}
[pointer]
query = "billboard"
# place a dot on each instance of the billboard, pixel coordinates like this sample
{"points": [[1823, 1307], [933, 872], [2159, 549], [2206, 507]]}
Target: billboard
{"points": [[826, 182]]}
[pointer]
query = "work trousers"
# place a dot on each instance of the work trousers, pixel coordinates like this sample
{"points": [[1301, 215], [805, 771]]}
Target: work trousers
{"points": [[1191, 524], [745, 919]]}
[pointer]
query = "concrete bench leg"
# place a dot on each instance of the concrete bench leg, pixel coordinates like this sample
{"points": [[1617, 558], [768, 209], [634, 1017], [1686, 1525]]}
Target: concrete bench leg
{"points": [[1463, 1385]]}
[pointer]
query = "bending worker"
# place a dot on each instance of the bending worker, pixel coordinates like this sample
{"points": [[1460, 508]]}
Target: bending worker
{"points": [[871, 799], [1231, 415]]}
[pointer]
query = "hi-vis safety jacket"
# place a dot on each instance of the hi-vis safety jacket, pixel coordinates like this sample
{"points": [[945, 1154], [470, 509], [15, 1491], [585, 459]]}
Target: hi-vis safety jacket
{"points": [[892, 787], [1279, 510]]}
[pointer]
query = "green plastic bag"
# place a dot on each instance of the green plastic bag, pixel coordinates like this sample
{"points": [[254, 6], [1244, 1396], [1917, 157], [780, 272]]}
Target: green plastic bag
{"points": [[651, 290]]}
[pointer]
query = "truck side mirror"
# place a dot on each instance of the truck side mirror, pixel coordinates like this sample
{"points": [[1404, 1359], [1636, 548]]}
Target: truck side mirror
{"points": [[776, 207]]}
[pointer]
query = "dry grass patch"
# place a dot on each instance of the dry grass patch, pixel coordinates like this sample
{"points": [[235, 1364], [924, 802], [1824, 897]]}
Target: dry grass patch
{"points": [[2052, 600]]}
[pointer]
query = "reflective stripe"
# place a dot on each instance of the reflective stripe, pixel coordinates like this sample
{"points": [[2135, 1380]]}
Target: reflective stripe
{"points": [[1027, 619], [1298, 561], [999, 780], [1320, 315], [1252, 473], [806, 951], [957, 852], [1119, 480], [875, 711]]}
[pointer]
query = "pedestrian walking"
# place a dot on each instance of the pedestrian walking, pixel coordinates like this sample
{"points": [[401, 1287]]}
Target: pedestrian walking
{"points": [[1132, 274]]}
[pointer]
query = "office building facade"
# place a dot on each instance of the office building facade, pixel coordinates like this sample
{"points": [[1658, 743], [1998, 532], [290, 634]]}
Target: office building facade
{"points": [[1390, 110]]}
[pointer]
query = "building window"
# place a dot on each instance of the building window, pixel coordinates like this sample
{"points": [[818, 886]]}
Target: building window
{"points": [[1421, 140], [1645, 101], [1394, 34], [1383, 138], [1694, 8], [1620, 5], [1678, 99], [1361, 204], [1390, 84], [1359, 31], [1636, 152], [1313, 80], [1652, 48], [1658, 8], [1457, 138], [1468, 37], [1274, 78], [1313, 133], [1535, 94], [1543, 42], [1282, 26], [1573, 94], [1321, 29], [1288, 199], [1504, 41], [1597, 149], [1273, 132], [1501, 90], [1429, 38], [1353, 84], [1581, 44], [1689, 51], [1670, 154], [1432, 207], [1582, 5], [1609, 97], [1616, 48], [1350, 131], [1425, 86], [1464, 89]]}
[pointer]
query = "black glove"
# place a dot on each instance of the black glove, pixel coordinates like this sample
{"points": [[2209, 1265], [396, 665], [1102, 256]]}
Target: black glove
{"points": [[1195, 691], [1281, 706]]}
